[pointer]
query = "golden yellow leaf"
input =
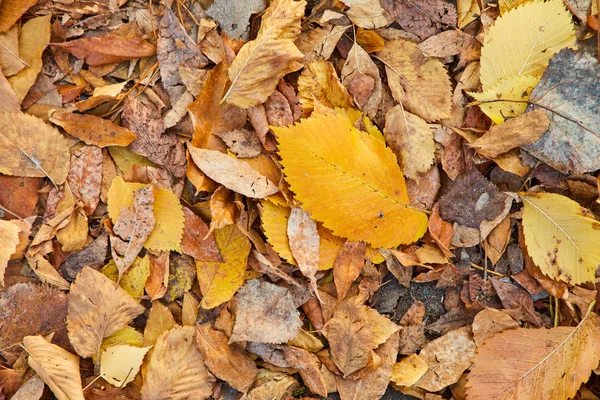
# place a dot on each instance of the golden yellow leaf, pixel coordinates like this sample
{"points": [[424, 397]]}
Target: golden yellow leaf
{"points": [[369, 40], [411, 139], [121, 363], [262, 62], [220, 280], [522, 41], [30, 147], [35, 36], [93, 130], [134, 279], [11, 11], [97, 308], [72, 236], [9, 64], [176, 370], [320, 82], [159, 321], [127, 335], [561, 236], [168, 214], [420, 83], [516, 88], [409, 370], [362, 198], [9, 239], [58, 368], [507, 5], [189, 309], [535, 364], [306, 341], [223, 210]]}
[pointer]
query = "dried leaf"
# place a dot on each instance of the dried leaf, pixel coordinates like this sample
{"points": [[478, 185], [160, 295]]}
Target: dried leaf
{"points": [[57, 367], [361, 77], [120, 364], [97, 308], [304, 243], [524, 363], [319, 82], [561, 237], [11, 11], [311, 160], [319, 43], [424, 18], [134, 279], [517, 301], [272, 306], [176, 369], [232, 173], [93, 130], [160, 320], [489, 322], [262, 62], [308, 367], [348, 266], [9, 239], [29, 147], [420, 83], [367, 13], [409, 370], [197, 241], [446, 44], [219, 280], [226, 361]]}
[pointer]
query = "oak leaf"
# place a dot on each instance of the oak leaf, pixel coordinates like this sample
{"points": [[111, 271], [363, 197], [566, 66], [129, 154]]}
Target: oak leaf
{"points": [[262, 62], [561, 237], [57, 367], [30, 147], [524, 363], [121, 363], [420, 83], [176, 370], [219, 280], [97, 308], [93, 130], [319, 82], [9, 239], [327, 182]]}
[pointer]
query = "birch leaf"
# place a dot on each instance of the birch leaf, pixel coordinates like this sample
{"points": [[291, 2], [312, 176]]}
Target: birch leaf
{"points": [[526, 364], [362, 198], [262, 62], [522, 41], [561, 236]]}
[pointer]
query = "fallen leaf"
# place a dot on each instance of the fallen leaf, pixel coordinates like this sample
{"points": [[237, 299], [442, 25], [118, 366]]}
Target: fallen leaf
{"points": [[219, 280], [120, 364], [57, 367], [468, 11], [447, 358], [176, 369], [367, 13], [561, 237], [409, 370], [489, 322], [233, 16], [308, 367], [272, 306], [29, 147], [160, 320], [424, 18], [310, 164], [497, 241], [11, 102], [223, 211], [319, 82], [304, 242], [523, 363], [189, 309], [516, 300], [9, 239], [182, 275], [197, 242], [73, 235], [361, 77], [232, 173], [93, 130], [32, 389], [11, 11], [126, 336], [156, 284], [446, 44], [85, 177], [348, 266], [225, 360], [93, 256], [97, 309], [242, 142], [420, 83], [134, 279], [319, 43]]}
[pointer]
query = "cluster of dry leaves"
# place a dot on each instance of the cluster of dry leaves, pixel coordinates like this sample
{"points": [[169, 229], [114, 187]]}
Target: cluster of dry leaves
{"points": [[231, 199]]}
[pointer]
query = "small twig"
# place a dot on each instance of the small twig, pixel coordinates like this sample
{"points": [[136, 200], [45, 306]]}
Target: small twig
{"points": [[479, 267]]}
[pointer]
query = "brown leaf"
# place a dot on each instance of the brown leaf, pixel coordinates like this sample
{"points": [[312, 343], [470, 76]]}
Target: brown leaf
{"points": [[93, 130], [223, 210], [446, 44], [85, 177], [156, 284], [11, 11], [278, 110], [160, 320], [197, 241], [319, 43], [348, 266], [94, 256], [514, 298], [308, 367], [242, 142], [424, 18], [489, 322], [10, 101], [361, 77], [132, 228], [176, 369], [367, 13], [108, 49], [19, 195], [271, 305], [9, 239], [304, 241], [226, 361], [97, 308]]}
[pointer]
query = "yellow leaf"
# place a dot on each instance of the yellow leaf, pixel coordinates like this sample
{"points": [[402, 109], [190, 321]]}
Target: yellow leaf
{"points": [[73, 236], [523, 40], [30, 147], [220, 280], [134, 279], [507, 5], [409, 370], [320, 82], [367, 13], [168, 214], [120, 364], [262, 62], [58, 368], [561, 236], [420, 83], [159, 321], [127, 335], [9, 239], [363, 197], [468, 11], [535, 364], [515, 88], [411, 139]]}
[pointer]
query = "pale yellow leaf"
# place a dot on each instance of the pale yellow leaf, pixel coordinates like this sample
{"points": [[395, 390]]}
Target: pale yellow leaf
{"points": [[409, 370], [9, 239], [262, 62], [507, 5], [363, 197], [126, 336], [320, 82], [536, 364], [120, 364], [561, 236], [57, 367], [522, 41]]}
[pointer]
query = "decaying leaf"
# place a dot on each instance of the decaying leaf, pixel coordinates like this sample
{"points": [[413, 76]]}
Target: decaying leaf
{"points": [[262, 62], [197, 242], [30, 147], [308, 367], [9, 239], [424, 18], [319, 82], [561, 237], [361, 77], [304, 243], [93, 130], [327, 182], [319, 43], [367, 13], [219, 280], [160, 320], [489, 322], [176, 369], [348, 266], [97, 309], [525, 363], [272, 306], [409, 370], [11, 11], [120, 364]]}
